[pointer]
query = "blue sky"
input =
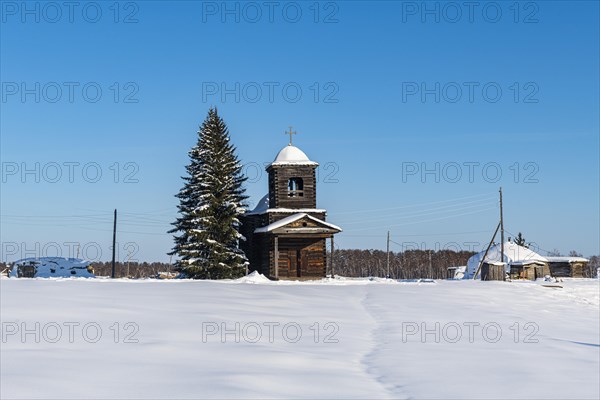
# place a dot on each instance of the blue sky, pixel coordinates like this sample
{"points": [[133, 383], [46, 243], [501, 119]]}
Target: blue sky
{"points": [[388, 90]]}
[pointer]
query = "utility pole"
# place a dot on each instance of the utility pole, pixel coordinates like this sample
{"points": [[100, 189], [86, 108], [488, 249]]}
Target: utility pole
{"points": [[332, 255], [486, 252], [114, 243], [388, 255], [430, 266], [501, 229], [128, 260]]}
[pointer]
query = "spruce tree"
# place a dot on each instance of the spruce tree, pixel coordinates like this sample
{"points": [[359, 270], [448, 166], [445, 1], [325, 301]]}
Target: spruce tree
{"points": [[520, 240], [210, 203]]}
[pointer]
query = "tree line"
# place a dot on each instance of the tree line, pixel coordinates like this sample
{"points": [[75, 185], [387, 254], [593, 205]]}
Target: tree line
{"points": [[132, 269], [354, 263], [410, 264]]}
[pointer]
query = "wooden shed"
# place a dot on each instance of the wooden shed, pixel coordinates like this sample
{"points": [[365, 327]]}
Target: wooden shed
{"points": [[529, 269], [568, 267], [493, 271], [456, 272]]}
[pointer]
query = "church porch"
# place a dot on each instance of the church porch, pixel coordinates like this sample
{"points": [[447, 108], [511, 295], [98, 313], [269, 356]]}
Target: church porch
{"points": [[297, 257]]}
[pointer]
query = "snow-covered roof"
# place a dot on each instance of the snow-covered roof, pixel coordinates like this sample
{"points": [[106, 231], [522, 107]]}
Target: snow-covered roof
{"points": [[494, 262], [521, 263], [513, 254], [261, 209], [295, 217], [50, 267], [292, 155], [262, 206], [567, 259], [297, 210]]}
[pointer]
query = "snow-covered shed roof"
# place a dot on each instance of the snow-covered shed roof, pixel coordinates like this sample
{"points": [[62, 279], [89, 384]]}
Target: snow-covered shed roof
{"points": [[513, 254], [292, 218], [51, 267], [567, 259], [292, 155]]}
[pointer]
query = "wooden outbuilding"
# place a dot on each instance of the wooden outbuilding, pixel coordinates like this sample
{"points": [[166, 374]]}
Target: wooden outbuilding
{"points": [[568, 267], [286, 234], [493, 271], [518, 261], [456, 272], [529, 269]]}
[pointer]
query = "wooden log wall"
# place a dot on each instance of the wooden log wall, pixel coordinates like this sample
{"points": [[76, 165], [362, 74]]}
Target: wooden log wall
{"points": [[279, 177]]}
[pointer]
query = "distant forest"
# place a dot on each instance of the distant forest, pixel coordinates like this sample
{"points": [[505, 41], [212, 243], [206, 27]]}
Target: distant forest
{"points": [[410, 264]]}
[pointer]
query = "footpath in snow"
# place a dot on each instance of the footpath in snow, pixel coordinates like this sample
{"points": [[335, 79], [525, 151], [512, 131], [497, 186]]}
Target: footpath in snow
{"points": [[343, 338]]}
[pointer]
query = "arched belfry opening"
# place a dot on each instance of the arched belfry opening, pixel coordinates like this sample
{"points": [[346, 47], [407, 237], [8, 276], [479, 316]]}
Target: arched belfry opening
{"points": [[296, 187], [286, 233]]}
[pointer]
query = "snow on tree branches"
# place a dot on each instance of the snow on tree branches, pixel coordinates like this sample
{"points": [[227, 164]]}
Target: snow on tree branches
{"points": [[210, 203]]}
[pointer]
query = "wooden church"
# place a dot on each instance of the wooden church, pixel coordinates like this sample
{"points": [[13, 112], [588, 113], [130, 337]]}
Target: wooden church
{"points": [[286, 233]]}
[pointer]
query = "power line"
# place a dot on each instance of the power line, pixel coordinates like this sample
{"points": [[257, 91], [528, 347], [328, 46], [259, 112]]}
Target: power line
{"points": [[423, 221], [121, 231], [149, 219], [420, 234], [418, 214], [412, 205]]}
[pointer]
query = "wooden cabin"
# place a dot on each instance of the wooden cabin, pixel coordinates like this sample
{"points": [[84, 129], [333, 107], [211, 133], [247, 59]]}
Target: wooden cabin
{"points": [[286, 234]]}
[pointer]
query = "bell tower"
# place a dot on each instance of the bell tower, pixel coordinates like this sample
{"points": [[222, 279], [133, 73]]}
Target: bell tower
{"points": [[292, 180]]}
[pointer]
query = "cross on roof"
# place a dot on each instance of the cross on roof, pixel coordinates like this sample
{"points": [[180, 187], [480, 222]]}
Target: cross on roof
{"points": [[291, 132]]}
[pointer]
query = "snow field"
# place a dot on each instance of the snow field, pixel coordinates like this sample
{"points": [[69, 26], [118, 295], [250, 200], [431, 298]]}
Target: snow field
{"points": [[343, 338]]}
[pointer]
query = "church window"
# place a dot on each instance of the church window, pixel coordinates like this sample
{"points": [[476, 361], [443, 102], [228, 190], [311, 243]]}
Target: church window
{"points": [[295, 187]]}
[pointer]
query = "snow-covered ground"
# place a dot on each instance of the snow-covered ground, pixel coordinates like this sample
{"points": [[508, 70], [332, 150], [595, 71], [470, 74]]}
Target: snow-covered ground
{"points": [[344, 338]]}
